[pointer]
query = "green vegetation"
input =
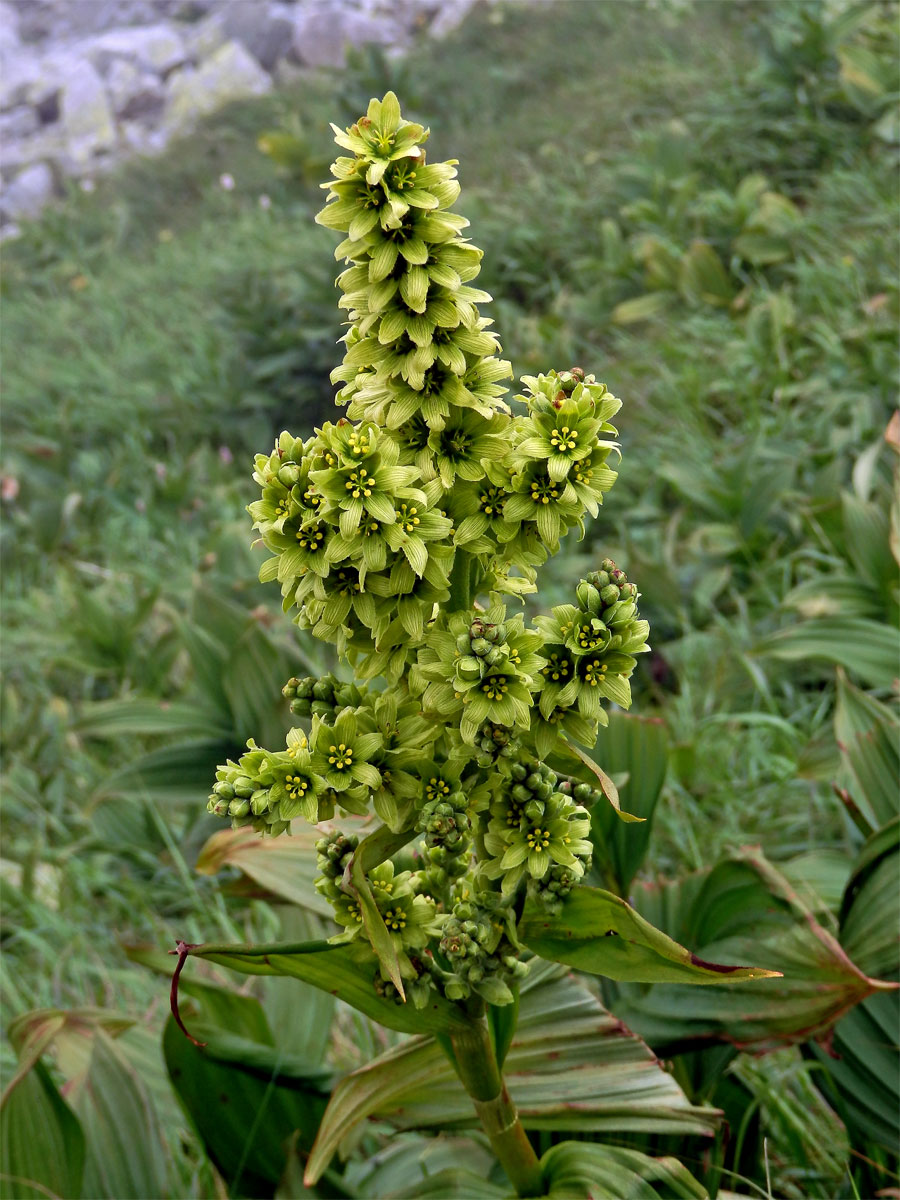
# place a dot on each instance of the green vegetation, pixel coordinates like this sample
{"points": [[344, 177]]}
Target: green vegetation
{"points": [[696, 204]]}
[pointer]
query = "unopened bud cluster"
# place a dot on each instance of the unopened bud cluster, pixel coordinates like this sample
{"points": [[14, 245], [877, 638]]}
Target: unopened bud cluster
{"points": [[400, 534]]}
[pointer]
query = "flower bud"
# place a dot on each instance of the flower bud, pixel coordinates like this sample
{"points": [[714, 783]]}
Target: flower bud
{"points": [[289, 474], [480, 646], [610, 594], [225, 790], [238, 808], [301, 707], [259, 802]]}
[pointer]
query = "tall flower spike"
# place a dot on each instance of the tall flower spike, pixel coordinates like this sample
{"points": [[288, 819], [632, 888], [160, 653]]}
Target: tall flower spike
{"points": [[395, 533]]}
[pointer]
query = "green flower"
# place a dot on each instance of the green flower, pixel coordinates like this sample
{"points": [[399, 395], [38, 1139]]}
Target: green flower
{"points": [[552, 505], [341, 754], [460, 448], [558, 835], [382, 137], [368, 481]]}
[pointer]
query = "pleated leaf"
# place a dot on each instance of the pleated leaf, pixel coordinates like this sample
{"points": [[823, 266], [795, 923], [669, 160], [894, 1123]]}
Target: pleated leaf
{"points": [[599, 933], [589, 1170], [869, 650], [570, 1066], [743, 906], [285, 866], [638, 748], [125, 1153], [41, 1141]]}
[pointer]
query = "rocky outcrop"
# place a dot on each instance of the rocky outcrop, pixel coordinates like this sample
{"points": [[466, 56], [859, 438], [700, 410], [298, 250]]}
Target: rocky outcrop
{"points": [[85, 82]]}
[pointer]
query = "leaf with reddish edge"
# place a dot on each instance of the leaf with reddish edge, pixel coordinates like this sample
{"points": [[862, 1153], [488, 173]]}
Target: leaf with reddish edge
{"points": [[286, 867], [599, 933], [571, 1066], [740, 907]]}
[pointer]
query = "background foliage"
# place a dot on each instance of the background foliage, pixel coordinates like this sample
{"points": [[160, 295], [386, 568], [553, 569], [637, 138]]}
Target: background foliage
{"points": [[695, 201]]}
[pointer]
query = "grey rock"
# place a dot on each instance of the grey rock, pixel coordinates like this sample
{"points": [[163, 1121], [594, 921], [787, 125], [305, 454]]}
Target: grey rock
{"points": [[264, 29], [27, 194], [322, 34], [133, 92], [449, 16], [229, 74], [85, 113], [19, 122], [205, 37], [159, 47], [9, 29], [21, 72]]}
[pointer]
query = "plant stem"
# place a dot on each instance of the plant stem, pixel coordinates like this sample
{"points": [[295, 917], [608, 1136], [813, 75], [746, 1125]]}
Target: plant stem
{"points": [[476, 1065], [460, 591]]}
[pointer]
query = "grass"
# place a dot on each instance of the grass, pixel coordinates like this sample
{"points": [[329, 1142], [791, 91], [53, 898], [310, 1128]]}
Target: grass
{"points": [[161, 329]]}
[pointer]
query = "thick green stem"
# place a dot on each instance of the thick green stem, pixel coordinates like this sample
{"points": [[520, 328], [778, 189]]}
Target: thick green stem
{"points": [[476, 1065], [460, 583]]}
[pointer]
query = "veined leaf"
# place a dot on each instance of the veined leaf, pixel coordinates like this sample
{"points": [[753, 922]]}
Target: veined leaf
{"points": [[284, 866], [347, 971], [245, 1095], [867, 649], [639, 748], [861, 1076], [570, 1066], [742, 906], [599, 933], [128, 718], [587, 1169], [868, 734], [41, 1141], [125, 1154]]}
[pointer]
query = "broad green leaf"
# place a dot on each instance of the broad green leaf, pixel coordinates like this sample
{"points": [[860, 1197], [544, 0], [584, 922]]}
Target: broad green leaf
{"points": [[867, 649], [412, 1167], [245, 1096], [868, 734], [861, 1070], [283, 866], [641, 308], [870, 916], [702, 276], [125, 1153], [139, 718], [252, 678], [347, 971], [638, 748], [41, 1141], [584, 1169], [868, 542], [742, 906], [68, 1033], [570, 1066], [172, 774], [599, 933]]}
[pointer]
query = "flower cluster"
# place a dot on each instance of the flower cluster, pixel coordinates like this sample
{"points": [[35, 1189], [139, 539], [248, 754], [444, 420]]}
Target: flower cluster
{"points": [[590, 648], [398, 534]]}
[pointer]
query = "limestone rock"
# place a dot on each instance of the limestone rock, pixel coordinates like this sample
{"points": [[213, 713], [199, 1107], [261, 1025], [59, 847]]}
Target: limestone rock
{"points": [[229, 74], [133, 92], [85, 113], [204, 38], [9, 30], [28, 192], [323, 33], [157, 47], [264, 29], [20, 122]]}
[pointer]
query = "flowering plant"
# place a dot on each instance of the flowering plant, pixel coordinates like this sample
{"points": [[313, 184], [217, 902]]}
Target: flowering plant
{"points": [[405, 533]]}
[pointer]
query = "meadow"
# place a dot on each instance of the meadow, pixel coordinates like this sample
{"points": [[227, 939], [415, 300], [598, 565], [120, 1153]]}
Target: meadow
{"points": [[695, 201]]}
